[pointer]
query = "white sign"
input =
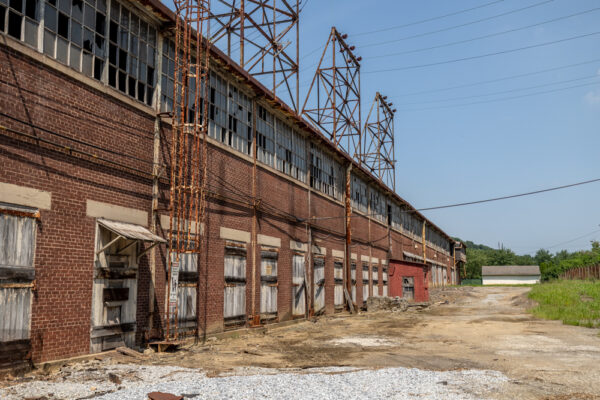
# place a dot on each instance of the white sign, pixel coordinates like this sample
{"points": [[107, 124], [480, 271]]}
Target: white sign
{"points": [[174, 283]]}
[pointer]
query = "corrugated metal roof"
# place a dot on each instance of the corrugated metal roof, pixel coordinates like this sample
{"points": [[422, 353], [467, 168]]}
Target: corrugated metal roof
{"points": [[130, 231], [510, 270]]}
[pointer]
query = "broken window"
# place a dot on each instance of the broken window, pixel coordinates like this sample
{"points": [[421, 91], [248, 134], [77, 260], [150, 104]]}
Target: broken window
{"points": [[265, 137], [326, 174], [20, 19], [290, 152], [131, 51], [74, 34], [359, 194]]}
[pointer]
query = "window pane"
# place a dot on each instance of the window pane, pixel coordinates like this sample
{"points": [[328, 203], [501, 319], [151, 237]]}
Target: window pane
{"points": [[76, 36], [31, 29], [101, 5], [75, 57], [86, 66], [122, 60], [112, 54], [2, 17], [63, 25], [88, 40], [114, 31], [100, 23], [50, 18], [31, 9], [16, 5], [98, 66], [77, 9], [62, 47], [89, 16], [65, 6], [114, 11], [14, 24], [99, 48], [49, 43], [112, 76]]}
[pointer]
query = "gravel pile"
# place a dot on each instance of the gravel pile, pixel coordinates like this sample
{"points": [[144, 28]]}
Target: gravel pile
{"points": [[134, 382]]}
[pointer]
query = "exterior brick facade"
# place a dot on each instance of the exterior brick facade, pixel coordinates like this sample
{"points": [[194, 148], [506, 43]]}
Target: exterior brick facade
{"points": [[70, 137]]}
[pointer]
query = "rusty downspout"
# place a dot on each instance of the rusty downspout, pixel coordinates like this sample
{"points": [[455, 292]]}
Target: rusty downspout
{"points": [[348, 228], [153, 219], [255, 318]]}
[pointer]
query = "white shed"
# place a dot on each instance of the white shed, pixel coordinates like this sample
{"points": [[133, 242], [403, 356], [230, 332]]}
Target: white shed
{"points": [[510, 274]]}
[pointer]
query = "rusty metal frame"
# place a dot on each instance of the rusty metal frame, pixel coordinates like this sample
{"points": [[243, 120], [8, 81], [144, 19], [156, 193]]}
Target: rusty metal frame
{"points": [[378, 144], [189, 151], [332, 104], [263, 36]]}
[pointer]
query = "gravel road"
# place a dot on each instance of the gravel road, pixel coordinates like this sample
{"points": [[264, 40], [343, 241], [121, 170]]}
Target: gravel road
{"points": [[136, 381]]}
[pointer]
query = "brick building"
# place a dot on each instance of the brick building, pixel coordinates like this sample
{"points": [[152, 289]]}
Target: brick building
{"points": [[85, 92]]}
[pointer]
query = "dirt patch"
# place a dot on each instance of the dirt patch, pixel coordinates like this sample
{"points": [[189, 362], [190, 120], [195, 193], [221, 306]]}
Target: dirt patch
{"points": [[472, 328]]}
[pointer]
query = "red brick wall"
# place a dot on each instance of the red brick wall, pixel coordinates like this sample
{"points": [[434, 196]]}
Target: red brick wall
{"points": [[36, 94], [399, 269]]}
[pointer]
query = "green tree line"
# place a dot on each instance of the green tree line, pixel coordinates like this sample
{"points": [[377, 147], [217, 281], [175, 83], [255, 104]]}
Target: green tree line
{"points": [[551, 264]]}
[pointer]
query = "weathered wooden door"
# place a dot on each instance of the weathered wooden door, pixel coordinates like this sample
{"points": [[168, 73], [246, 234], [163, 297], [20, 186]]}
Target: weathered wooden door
{"points": [[376, 280], [187, 321], [319, 283], [234, 302], [338, 274], [298, 286], [365, 281], [353, 277], [17, 273], [408, 287], [268, 284]]}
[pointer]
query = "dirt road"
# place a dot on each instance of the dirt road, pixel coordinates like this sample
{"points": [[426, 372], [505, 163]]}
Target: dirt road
{"points": [[480, 328]]}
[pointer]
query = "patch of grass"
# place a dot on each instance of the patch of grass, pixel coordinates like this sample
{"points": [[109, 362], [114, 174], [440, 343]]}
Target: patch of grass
{"points": [[497, 285], [572, 302]]}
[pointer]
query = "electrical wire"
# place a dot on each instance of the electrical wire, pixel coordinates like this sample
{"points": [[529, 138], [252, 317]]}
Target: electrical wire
{"points": [[456, 26], [408, 67], [486, 36], [428, 19], [503, 98], [572, 240], [595, 76], [468, 203], [499, 79]]}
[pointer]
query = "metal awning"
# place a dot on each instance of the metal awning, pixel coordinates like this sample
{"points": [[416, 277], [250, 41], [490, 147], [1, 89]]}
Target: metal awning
{"points": [[127, 231], [130, 231], [411, 255]]}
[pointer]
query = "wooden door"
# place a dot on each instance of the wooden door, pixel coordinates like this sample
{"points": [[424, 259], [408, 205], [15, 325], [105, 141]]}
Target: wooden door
{"points": [[338, 274], [268, 284], [298, 286], [319, 283], [234, 301]]}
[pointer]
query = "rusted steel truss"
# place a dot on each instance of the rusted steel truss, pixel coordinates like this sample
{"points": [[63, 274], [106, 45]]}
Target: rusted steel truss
{"points": [[378, 144], [188, 147], [333, 100], [263, 36]]}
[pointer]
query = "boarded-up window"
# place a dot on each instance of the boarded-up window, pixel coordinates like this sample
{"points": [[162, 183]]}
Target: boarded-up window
{"points": [[319, 281], [17, 249], [385, 281], [187, 292], [375, 280], [338, 273], [234, 304], [268, 284], [365, 280]]}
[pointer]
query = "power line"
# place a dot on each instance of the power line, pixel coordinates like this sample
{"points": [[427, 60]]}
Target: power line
{"points": [[499, 79], [482, 55], [502, 92], [511, 196], [457, 26], [428, 19], [572, 240], [486, 36], [502, 99], [436, 31]]}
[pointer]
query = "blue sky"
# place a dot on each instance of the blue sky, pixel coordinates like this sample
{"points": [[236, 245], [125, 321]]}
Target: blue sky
{"points": [[448, 152]]}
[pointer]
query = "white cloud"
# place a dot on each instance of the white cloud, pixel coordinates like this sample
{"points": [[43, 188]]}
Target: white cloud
{"points": [[592, 98]]}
